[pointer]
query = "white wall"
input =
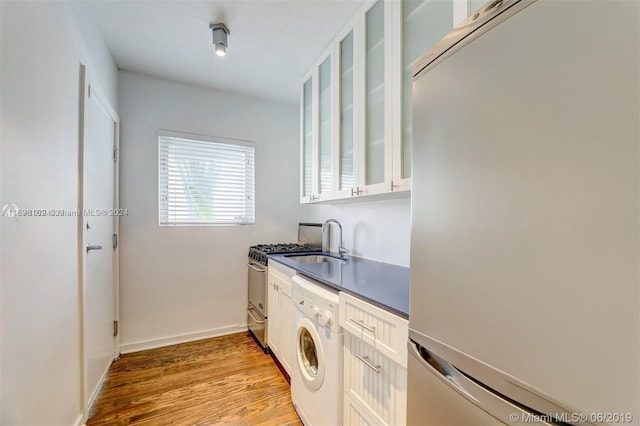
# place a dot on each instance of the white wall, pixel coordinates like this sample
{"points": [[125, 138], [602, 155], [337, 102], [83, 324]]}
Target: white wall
{"points": [[42, 45], [377, 230], [179, 283]]}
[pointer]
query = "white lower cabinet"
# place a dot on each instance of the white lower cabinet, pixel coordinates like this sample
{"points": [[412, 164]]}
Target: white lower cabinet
{"points": [[375, 376], [355, 415], [279, 330]]}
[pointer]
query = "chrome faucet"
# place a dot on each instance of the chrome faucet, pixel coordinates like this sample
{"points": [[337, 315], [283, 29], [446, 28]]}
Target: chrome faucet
{"points": [[341, 249]]}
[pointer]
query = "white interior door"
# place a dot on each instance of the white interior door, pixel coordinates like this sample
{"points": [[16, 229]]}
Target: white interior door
{"points": [[99, 224]]}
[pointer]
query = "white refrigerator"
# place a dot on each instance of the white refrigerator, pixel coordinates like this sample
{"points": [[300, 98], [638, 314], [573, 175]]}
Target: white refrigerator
{"points": [[525, 239]]}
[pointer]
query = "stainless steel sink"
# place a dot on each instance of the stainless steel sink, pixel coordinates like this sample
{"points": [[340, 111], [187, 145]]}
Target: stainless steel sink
{"points": [[314, 258]]}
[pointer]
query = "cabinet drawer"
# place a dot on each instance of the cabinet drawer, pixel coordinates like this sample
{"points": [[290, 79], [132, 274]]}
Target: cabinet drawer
{"points": [[374, 382], [381, 329]]}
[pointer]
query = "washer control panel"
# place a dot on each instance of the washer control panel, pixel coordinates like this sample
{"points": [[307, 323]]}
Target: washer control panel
{"points": [[317, 302]]}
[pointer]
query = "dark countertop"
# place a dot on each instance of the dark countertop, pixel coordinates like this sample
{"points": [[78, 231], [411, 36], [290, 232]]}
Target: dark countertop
{"points": [[382, 284]]}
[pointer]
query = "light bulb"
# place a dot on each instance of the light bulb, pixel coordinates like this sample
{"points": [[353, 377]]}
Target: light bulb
{"points": [[221, 50]]}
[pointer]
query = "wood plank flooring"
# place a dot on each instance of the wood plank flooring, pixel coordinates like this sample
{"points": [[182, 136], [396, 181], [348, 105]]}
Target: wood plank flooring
{"points": [[224, 380]]}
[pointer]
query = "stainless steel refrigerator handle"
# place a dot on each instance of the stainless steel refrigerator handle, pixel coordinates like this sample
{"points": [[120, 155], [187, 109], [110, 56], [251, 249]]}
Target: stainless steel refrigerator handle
{"points": [[254, 318], [473, 374], [481, 395], [256, 269], [440, 368], [93, 247], [365, 359]]}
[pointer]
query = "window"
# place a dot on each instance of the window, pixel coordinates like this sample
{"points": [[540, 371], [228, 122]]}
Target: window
{"points": [[204, 180]]}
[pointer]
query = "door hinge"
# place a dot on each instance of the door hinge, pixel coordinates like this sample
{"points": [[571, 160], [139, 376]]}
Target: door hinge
{"points": [[115, 153], [115, 328], [115, 241]]}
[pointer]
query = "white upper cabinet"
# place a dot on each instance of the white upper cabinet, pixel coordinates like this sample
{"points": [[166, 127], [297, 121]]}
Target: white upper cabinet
{"points": [[356, 102], [317, 127]]}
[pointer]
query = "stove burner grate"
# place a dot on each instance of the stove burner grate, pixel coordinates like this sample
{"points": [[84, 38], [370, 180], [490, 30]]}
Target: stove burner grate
{"points": [[259, 252]]}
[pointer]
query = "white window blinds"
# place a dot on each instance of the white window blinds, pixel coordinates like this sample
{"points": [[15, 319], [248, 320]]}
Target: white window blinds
{"points": [[205, 181]]}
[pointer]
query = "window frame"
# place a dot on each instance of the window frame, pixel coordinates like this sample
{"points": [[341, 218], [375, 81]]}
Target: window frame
{"points": [[198, 138]]}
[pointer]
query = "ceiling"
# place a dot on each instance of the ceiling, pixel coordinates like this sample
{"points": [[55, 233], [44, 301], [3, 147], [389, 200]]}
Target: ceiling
{"points": [[272, 43]]}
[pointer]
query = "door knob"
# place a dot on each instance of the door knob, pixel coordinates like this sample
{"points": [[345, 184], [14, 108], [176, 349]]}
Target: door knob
{"points": [[93, 247]]}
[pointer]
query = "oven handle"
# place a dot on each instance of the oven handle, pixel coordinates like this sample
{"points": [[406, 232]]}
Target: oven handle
{"points": [[254, 318], [256, 269]]}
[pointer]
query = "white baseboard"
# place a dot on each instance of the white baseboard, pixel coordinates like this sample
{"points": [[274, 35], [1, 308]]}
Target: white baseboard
{"points": [[127, 348], [79, 420]]}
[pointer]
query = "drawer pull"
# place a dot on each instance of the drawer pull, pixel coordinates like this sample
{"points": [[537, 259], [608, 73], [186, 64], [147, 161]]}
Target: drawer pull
{"points": [[365, 359], [363, 325]]}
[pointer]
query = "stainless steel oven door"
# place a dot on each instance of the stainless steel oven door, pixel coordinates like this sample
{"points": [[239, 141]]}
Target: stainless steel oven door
{"points": [[258, 287]]}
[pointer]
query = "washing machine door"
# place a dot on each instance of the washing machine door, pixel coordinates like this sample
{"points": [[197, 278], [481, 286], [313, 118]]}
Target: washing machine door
{"points": [[310, 358]]}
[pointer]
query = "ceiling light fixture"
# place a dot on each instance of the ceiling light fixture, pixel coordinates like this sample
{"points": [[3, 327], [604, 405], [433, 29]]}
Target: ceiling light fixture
{"points": [[220, 33]]}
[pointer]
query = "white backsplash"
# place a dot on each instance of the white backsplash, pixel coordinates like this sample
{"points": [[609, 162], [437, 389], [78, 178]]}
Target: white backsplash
{"points": [[377, 230]]}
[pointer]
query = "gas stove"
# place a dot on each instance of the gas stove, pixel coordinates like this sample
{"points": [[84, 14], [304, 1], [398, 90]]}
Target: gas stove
{"points": [[259, 253], [309, 239]]}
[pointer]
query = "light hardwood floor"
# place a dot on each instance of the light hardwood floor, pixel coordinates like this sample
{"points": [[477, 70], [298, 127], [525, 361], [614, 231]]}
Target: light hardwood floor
{"points": [[224, 380]]}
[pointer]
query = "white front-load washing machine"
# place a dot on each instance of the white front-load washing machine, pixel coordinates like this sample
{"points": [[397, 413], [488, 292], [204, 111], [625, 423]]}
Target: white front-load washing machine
{"points": [[316, 373]]}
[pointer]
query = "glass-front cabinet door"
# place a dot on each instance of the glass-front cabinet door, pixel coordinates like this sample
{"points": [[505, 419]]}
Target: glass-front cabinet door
{"points": [[307, 136], [325, 130], [346, 164], [377, 99], [317, 128]]}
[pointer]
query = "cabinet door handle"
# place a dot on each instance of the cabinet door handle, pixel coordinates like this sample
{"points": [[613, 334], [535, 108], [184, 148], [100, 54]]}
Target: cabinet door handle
{"points": [[363, 325], [365, 359]]}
